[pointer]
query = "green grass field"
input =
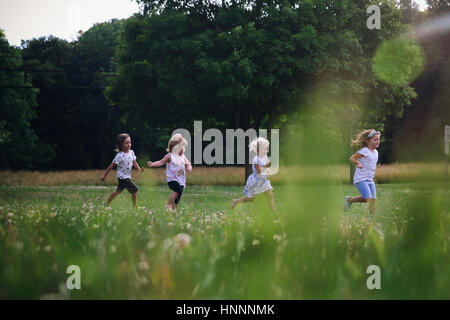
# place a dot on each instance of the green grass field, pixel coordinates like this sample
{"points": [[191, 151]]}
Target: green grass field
{"points": [[309, 249]]}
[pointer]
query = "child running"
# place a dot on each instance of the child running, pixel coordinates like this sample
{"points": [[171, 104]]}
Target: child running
{"points": [[125, 161], [365, 159], [257, 182], [176, 166]]}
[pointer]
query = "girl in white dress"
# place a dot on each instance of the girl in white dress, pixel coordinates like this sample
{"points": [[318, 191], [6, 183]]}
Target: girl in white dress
{"points": [[257, 182], [176, 166]]}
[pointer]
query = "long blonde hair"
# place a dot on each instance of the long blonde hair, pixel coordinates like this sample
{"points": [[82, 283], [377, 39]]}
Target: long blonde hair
{"points": [[175, 140], [257, 144], [363, 137]]}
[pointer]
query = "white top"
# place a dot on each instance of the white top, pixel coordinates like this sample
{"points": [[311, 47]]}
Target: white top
{"points": [[124, 162], [176, 169], [369, 165], [261, 162]]}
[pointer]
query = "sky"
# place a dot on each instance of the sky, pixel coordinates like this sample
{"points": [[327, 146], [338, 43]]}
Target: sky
{"points": [[27, 19]]}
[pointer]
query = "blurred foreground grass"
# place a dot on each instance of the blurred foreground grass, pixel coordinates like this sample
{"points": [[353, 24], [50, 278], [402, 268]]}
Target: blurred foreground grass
{"points": [[310, 249]]}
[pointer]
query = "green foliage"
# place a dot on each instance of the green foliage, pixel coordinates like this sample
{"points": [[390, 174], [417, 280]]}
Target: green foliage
{"points": [[17, 110], [74, 118], [256, 63]]}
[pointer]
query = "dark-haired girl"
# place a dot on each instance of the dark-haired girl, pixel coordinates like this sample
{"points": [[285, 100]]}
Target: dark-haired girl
{"points": [[125, 161]]}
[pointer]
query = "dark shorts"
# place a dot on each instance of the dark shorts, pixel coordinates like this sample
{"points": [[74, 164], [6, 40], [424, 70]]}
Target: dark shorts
{"points": [[126, 184], [175, 186]]}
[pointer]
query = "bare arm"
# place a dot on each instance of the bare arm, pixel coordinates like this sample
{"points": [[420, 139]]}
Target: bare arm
{"points": [[354, 159], [136, 165], [259, 167], [107, 171], [188, 165], [159, 163]]}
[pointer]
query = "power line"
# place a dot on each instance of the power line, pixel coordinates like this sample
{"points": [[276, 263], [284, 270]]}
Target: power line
{"points": [[111, 73], [32, 87]]}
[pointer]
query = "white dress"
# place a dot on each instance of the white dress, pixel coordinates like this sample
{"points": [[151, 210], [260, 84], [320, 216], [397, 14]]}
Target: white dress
{"points": [[257, 183]]}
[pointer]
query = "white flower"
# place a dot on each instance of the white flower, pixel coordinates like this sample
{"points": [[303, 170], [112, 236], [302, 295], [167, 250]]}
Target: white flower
{"points": [[277, 237], [255, 242], [143, 265], [48, 248], [19, 245], [182, 240], [95, 226], [151, 244]]}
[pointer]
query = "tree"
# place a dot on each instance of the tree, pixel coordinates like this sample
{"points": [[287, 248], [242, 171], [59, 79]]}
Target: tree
{"points": [[95, 51], [246, 63], [418, 136], [17, 109], [49, 61], [76, 125]]}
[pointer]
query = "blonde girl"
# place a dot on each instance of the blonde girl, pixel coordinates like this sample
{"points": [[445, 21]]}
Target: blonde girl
{"points": [[257, 182], [176, 166], [365, 159]]}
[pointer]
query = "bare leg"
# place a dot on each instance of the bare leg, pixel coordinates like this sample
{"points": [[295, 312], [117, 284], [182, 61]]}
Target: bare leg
{"points": [[372, 207], [134, 198], [356, 199], [243, 199], [270, 195], [171, 204], [111, 197]]}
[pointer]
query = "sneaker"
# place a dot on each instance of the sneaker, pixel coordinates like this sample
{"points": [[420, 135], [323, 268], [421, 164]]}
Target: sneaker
{"points": [[347, 204]]}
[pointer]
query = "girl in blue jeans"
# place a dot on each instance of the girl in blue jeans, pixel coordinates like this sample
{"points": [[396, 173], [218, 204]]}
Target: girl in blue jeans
{"points": [[365, 159]]}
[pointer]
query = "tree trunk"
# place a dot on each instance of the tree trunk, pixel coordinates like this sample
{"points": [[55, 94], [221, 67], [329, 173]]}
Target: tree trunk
{"points": [[246, 125]]}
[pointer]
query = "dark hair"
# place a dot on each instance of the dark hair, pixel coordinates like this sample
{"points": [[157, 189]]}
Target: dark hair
{"points": [[119, 141]]}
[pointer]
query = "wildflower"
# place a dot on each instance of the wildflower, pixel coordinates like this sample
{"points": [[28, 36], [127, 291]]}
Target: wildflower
{"points": [[48, 248], [255, 242], [277, 237], [151, 244], [95, 226], [143, 265], [182, 240], [19, 245]]}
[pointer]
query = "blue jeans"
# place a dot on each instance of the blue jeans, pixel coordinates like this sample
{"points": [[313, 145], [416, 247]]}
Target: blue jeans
{"points": [[367, 189]]}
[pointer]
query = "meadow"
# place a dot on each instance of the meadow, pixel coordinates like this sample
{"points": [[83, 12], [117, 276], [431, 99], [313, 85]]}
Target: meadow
{"points": [[231, 176], [308, 249]]}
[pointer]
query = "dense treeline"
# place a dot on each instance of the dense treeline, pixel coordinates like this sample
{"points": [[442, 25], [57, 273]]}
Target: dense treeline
{"points": [[239, 64]]}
